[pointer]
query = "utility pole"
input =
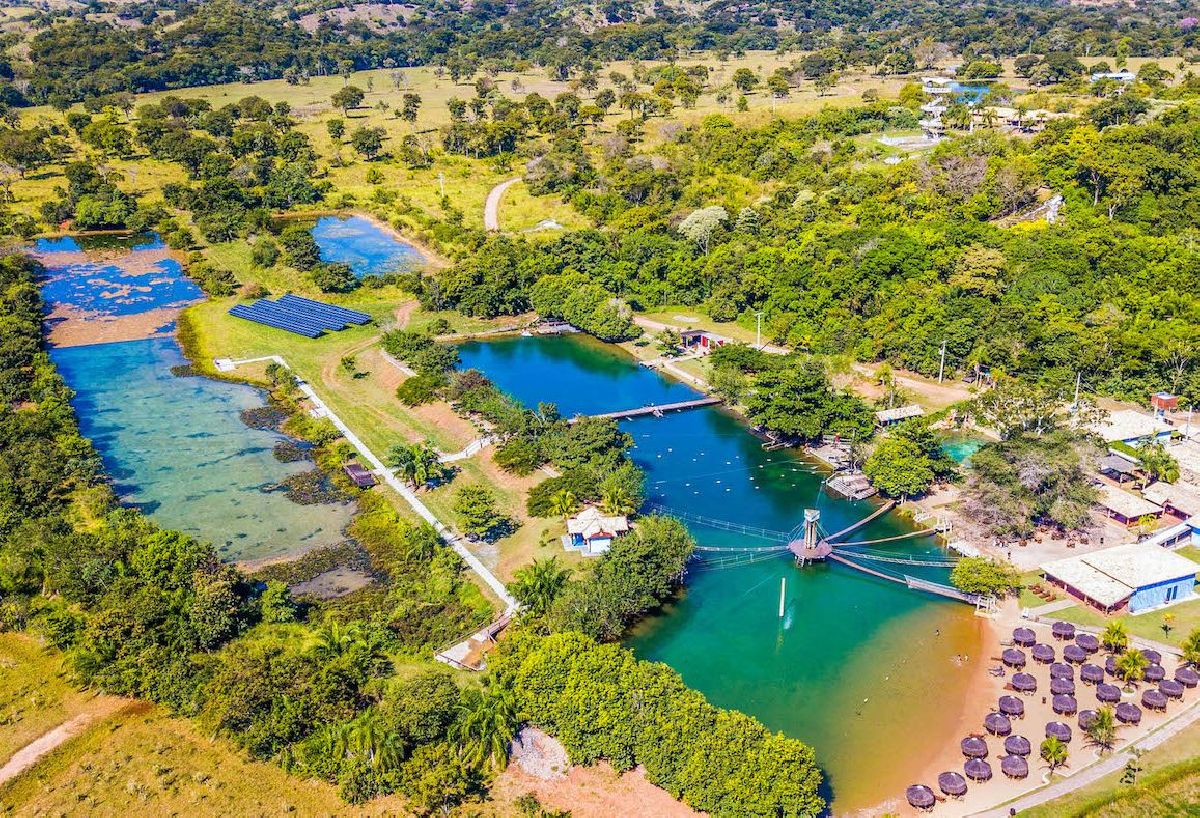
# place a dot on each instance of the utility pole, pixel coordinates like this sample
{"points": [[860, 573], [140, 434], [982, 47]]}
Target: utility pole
{"points": [[758, 332], [942, 365], [442, 183], [1078, 381]]}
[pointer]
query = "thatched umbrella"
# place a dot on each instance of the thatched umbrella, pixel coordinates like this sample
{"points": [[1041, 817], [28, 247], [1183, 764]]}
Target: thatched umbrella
{"points": [[997, 724], [1153, 657], [1108, 693], [1023, 683], [920, 797], [952, 784], [1042, 653], [1086, 717], [974, 747], [1017, 746], [1171, 689], [1154, 700], [1075, 654], [1062, 687], [1061, 670], [1012, 706], [1024, 637], [1064, 705], [1128, 713], [1059, 730], [1187, 677], [1014, 766], [978, 770], [1091, 674], [1088, 642], [1110, 665], [1155, 673], [1063, 630], [1013, 658]]}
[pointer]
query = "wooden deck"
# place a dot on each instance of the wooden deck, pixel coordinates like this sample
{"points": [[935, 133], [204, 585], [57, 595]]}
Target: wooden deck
{"points": [[658, 410]]}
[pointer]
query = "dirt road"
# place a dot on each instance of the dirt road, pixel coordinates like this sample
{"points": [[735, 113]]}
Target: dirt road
{"points": [[491, 210]]}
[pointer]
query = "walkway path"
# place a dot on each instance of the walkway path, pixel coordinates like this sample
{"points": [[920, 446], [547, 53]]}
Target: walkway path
{"points": [[474, 447], [491, 210], [397, 485], [1099, 769], [34, 751]]}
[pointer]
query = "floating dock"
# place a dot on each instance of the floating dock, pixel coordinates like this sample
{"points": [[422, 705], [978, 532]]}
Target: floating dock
{"points": [[658, 410]]}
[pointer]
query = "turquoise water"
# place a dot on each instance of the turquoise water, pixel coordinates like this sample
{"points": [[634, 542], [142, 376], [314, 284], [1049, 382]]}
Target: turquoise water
{"points": [[959, 448], [862, 669], [970, 93], [175, 446], [365, 246]]}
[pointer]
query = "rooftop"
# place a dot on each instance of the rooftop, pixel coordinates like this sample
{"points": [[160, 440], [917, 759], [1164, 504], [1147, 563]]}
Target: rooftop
{"points": [[591, 523], [899, 413], [1181, 496], [1128, 424], [1112, 574], [1129, 506]]}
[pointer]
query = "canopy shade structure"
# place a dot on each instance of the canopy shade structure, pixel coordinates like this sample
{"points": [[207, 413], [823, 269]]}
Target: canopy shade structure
{"points": [[1013, 658], [1062, 687], [1061, 670], [1064, 705], [1042, 653], [1154, 700], [1088, 642], [1014, 766], [1063, 630], [1171, 689], [978, 770], [1110, 665], [1024, 637], [1187, 677], [1086, 717], [1108, 693], [1059, 730], [952, 784], [1128, 713], [1155, 673], [1023, 683], [1091, 674], [1017, 746], [920, 797], [974, 747], [1074, 654], [1153, 657], [997, 724], [1012, 706]]}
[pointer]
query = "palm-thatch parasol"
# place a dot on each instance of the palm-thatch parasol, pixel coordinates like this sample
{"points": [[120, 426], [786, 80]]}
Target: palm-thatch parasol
{"points": [[1154, 700], [974, 747], [1108, 693], [1064, 705], [1187, 677], [1128, 713], [1153, 657], [1059, 730], [997, 724], [1014, 766], [1110, 665], [1154, 673], [1075, 654], [1042, 652], [1061, 670], [1017, 746], [920, 797], [952, 784], [1171, 689], [1023, 683], [978, 770], [1091, 674], [1013, 658], [1088, 642], [1086, 717], [1063, 630], [1062, 687], [1012, 706]]}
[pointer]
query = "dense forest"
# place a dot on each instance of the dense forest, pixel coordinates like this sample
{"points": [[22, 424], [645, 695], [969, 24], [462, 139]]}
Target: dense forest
{"points": [[167, 45]]}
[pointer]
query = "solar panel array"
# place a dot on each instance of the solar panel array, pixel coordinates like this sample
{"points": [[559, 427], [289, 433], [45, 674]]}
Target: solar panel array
{"points": [[302, 316]]}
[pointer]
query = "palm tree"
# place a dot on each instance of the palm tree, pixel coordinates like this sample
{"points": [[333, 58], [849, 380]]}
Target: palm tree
{"points": [[1158, 463], [333, 639], [1102, 732], [1131, 665], [538, 585], [1054, 753], [485, 729], [563, 503], [400, 459], [1115, 637], [370, 739], [415, 463], [1191, 648], [616, 499]]}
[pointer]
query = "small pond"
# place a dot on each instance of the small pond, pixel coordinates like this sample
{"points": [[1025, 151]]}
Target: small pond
{"points": [[369, 247]]}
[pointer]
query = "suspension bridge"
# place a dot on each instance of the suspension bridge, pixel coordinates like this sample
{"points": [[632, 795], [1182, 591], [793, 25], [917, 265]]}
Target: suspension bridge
{"points": [[808, 542]]}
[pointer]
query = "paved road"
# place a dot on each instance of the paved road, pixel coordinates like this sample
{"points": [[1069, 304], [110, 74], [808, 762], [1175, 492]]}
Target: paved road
{"points": [[491, 210]]}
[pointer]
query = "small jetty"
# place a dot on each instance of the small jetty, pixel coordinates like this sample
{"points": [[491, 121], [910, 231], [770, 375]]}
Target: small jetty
{"points": [[657, 410], [853, 485]]}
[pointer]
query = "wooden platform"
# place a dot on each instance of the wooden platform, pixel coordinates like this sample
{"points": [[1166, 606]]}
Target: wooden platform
{"points": [[658, 410]]}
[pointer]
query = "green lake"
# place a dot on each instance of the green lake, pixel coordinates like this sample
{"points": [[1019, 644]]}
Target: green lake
{"points": [[866, 671]]}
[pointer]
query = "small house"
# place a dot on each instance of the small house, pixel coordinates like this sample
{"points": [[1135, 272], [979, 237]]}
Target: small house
{"points": [[1177, 499], [591, 533], [359, 475], [1132, 427], [1116, 466], [1124, 507], [701, 339], [891, 417], [1135, 577], [1163, 402], [1117, 76]]}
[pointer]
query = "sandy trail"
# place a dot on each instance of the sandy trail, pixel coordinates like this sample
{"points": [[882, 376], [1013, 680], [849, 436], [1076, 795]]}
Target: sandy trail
{"points": [[37, 749], [491, 209]]}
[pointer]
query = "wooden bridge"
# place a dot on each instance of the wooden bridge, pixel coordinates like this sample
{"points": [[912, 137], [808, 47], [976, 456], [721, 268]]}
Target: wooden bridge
{"points": [[658, 410]]}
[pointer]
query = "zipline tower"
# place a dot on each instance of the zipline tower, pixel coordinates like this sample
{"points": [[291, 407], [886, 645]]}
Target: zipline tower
{"points": [[811, 547]]}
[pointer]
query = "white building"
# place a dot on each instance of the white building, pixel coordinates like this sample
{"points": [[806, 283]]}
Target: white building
{"points": [[591, 533]]}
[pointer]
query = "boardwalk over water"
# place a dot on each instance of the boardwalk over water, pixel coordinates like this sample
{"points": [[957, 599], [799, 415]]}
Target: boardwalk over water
{"points": [[658, 409]]}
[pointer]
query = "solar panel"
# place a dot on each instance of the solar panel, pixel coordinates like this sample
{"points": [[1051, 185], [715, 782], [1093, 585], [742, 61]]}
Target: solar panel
{"points": [[273, 311], [297, 302], [324, 321], [247, 313]]}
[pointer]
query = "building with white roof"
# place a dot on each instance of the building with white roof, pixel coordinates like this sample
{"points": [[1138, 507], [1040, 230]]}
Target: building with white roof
{"points": [[1124, 507], [887, 417], [1131, 426], [1137, 577], [591, 533]]}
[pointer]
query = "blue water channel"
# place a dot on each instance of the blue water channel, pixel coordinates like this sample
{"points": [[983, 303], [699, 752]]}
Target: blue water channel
{"points": [[867, 671], [176, 446], [363, 244]]}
